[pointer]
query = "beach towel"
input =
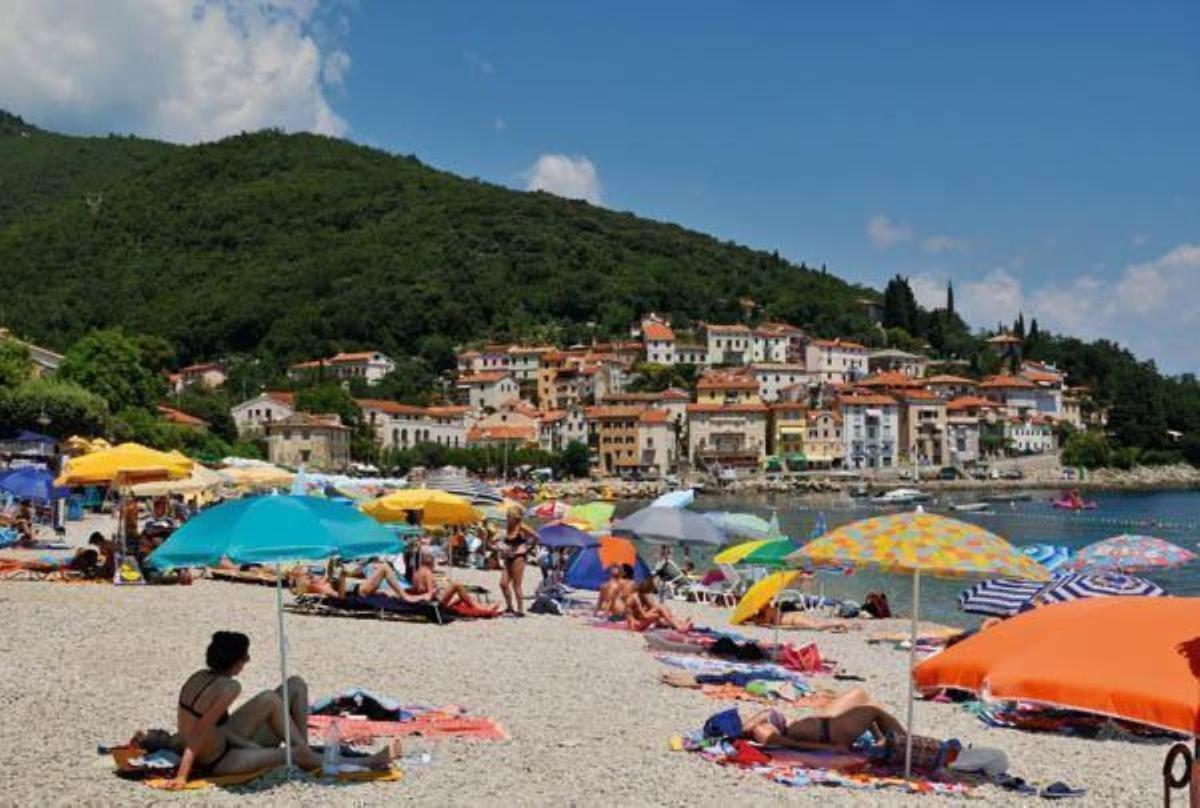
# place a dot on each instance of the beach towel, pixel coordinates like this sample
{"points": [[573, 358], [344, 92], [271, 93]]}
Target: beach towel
{"points": [[432, 726], [130, 765]]}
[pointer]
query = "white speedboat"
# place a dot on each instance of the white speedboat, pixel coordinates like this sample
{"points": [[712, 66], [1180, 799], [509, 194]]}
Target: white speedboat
{"points": [[970, 507], [900, 496]]}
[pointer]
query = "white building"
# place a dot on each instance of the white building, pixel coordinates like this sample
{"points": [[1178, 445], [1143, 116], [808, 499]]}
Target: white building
{"points": [[775, 377], [890, 360], [1031, 434], [253, 416], [728, 344], [777, 343], [660, 342], [488, 391], [402, 426], [370, 366], [870, 430], [835, 361], [656, 444]]}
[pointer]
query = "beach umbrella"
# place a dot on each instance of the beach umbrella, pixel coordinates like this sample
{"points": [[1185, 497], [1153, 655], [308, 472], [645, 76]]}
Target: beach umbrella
{"points": [[675, 499], [127, 462], [740, 525], [201, 479], [589, 566], [550, 510], [1130, 553], [1136, 659], [435, 507], [31, 482], [258, 476], [474, 491], [1050, 556], [560, 534], [734, 554], [1074, 586], [771, 553], [669, 526], [593, 515], [762, 593], [274, 530], [998, 597], [917, 542]]}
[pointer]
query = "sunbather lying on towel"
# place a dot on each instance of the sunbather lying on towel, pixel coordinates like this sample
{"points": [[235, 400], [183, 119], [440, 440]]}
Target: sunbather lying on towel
{"points": [[450, 594], [836, 728], [212, 741], [646, 612], [771, 616], [616, 591]]}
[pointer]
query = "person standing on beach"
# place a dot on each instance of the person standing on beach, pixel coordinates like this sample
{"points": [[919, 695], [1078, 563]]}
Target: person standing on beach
{"points": [[516, 543]]}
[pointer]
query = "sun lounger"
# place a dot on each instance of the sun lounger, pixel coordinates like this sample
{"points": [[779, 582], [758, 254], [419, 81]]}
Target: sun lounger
{"points": [[379, 607]]}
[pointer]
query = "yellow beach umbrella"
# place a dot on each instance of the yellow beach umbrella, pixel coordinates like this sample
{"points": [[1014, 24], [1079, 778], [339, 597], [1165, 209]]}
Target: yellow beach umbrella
{"points": [[128, 462], [761, 594], [734, 554], [919, 542], [435, 507]]}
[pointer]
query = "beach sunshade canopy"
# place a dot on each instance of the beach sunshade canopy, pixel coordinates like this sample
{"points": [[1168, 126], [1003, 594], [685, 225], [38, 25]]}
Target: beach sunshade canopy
{"points": [[560, 534], [32, 483], [1132, 658], [761, 594], [261, 476], [432, 506], [1130, 553], [589, 567], [274, 530], [924, 542], [1075, 586], [474, 491], [675, 499], [550, 510], [129, 462], [595, 515], [999, 597], [771, 553], [1050, 556], [735, 554], [201, 479], [669, 526], [740, 525]]}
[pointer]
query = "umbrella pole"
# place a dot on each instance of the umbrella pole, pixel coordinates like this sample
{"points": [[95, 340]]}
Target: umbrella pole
{"points": [[912, 663], [287, 711]]}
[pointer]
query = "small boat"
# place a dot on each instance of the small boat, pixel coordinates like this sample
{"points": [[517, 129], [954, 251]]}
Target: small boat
{"points": [[971, 507], [900, 496]]}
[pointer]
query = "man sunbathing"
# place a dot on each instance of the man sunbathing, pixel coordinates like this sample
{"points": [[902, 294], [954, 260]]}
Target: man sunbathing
{"points": [[646, 612], [771, 616], [836, 727]]}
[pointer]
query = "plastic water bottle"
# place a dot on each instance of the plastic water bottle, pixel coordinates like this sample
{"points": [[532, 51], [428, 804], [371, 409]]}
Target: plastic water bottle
{"points": [[330, 760]]}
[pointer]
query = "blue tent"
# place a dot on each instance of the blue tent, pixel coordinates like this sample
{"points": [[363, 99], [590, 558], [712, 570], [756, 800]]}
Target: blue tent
{"points": [[30, 482], [588, 568]]}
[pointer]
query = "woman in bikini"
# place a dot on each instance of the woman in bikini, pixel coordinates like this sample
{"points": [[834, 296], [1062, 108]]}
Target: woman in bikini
{"points": [[770, 617], [517, 541], [214, 742], [836, 727]]}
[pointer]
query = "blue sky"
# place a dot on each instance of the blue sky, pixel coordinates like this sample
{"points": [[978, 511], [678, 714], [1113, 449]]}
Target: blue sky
{"points": [[1043, 155]]}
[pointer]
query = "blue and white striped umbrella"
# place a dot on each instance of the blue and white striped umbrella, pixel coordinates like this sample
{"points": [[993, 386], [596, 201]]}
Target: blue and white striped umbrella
{"points": [[998, 597], [1050, 556], [1075, 587]]}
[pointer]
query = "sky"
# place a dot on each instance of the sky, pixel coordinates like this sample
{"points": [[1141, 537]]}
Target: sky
{"points": [[1043, 156]]}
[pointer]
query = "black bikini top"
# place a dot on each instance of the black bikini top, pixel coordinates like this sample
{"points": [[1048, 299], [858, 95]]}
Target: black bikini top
{"points": [[191, 708]]}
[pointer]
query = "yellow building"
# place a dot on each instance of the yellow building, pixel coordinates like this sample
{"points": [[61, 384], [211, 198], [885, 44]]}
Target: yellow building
{"points": [[715, 387]]}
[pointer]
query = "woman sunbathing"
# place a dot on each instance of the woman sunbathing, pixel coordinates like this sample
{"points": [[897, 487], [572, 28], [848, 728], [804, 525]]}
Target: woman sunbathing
{"points": [[425, 587], [836, 727], [646, 612], [215, 742], [771, 616], [614, 592]]}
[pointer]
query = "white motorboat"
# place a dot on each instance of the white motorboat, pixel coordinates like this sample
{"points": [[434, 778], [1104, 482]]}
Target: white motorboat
{"points": [[900, 496], [970, 507]]}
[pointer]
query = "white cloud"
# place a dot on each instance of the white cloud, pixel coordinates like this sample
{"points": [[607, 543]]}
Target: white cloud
{"points": [[182, 70], [572, 177], [943, 244], [1146, 307], [885, 234], [929, 290]]}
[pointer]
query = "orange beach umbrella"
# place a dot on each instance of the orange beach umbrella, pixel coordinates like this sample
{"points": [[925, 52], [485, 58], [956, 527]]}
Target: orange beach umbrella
{"points": [[1132, 658]]}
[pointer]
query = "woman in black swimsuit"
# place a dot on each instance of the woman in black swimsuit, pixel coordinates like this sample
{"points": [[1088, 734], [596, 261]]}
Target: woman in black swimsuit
{"points": [[215, 742], [515, 545]]}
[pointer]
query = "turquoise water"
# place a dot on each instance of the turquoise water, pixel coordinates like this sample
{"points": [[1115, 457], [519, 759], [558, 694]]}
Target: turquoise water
{"points": [[1171, 515]]}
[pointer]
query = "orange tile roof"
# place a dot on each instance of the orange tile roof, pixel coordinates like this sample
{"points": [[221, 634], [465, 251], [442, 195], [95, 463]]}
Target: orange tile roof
{"points": [[971, 403], [919, 395], [179, 416], [654, 417], [815, 415], [1003, 338], [732, 328], [447, 410], [839, 343], [486, 377], [281, 397], [359, 356], [888, 379], [311, 363], [554, 415], [657, 331], [866, 400], [388, 406], [743, 409], [1037, 373], [946, 378], [613, 412], [511, 432], [777, 329], [1001, 382], [201, 367], [675, 394]]}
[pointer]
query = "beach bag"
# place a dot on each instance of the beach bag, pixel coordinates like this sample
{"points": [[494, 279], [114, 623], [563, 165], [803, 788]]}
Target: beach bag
{"points": [[547, 604], [725, 724], [801, 660]]}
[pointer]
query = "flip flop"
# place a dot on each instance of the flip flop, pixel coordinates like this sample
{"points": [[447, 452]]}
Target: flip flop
{"points": [[1061, 791]]}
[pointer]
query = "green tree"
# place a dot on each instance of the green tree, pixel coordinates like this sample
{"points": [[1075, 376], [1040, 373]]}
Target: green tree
{"points": [[71, 410], [574, 461], [109, 364], [900, 308], [14, 363], [329, 398]]}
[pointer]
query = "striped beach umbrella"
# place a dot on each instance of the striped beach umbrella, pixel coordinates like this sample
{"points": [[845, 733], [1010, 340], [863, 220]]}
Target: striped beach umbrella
{"points": [[1076, 587], [1050, 556], [1130, 553], [998, 597]]}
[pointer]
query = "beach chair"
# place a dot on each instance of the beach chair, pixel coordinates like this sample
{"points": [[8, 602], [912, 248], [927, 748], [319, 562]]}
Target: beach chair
{"points": [[725, 593], [375, 607]]}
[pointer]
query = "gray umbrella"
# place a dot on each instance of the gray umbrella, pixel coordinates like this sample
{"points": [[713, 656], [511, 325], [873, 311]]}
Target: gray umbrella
{"points": [[669, 526]]}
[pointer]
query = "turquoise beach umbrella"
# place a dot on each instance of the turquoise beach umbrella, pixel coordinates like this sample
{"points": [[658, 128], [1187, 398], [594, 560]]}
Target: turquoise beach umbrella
{"points": [[275, 530]]}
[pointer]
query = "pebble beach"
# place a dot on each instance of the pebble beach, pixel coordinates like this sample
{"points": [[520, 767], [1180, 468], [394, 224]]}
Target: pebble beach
{"points": [[589, 721]]}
